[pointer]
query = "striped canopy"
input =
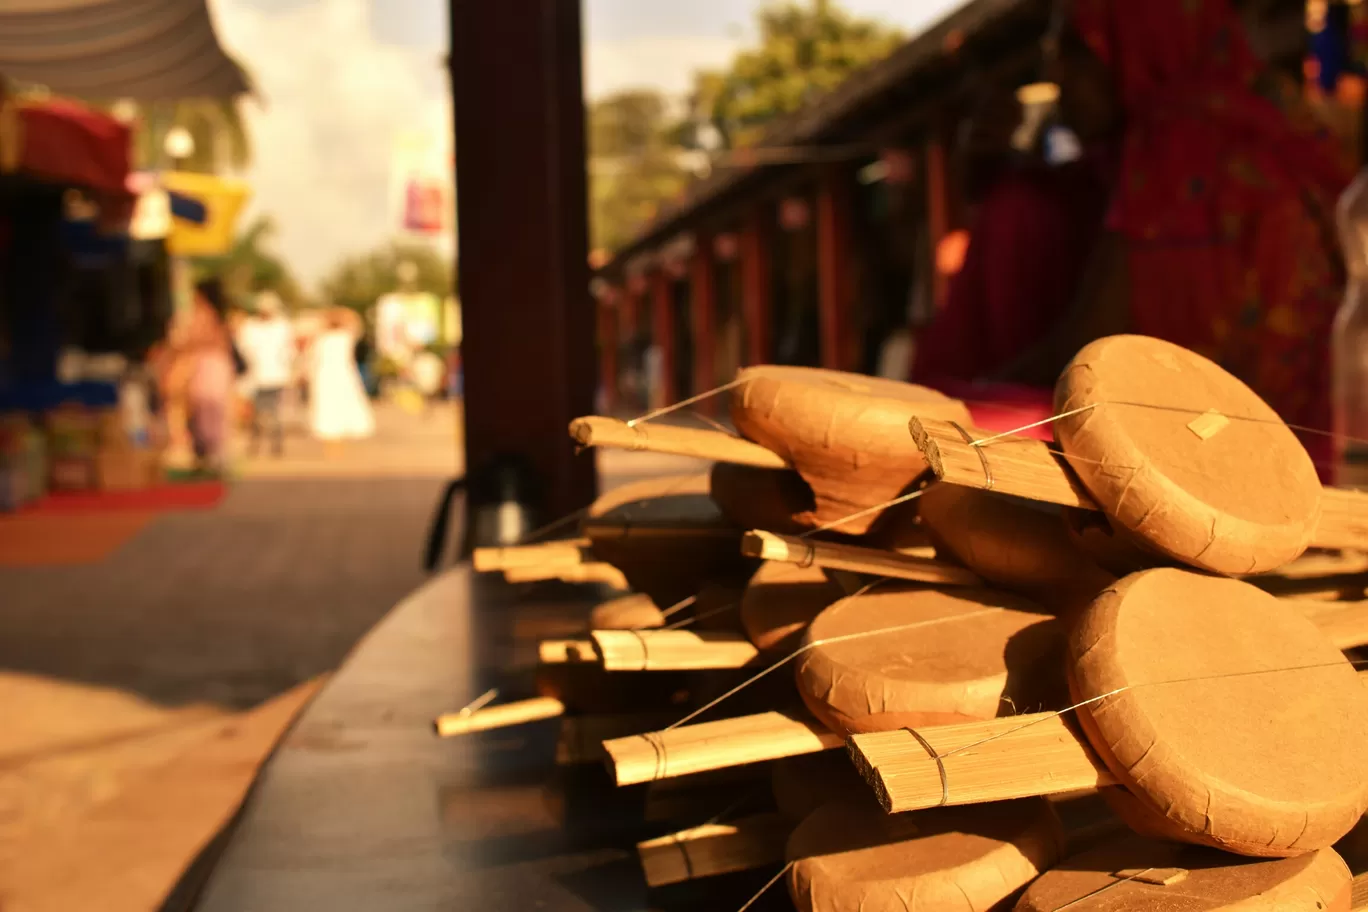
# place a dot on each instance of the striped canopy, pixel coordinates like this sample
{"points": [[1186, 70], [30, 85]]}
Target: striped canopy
{"points": [[146, 50]]}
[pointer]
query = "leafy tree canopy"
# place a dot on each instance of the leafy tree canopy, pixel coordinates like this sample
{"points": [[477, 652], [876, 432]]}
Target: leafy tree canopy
{"points": [[358, 281], [804, 51]]}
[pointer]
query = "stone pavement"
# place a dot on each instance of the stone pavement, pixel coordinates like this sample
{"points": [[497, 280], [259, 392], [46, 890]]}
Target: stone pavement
{"points": [[152, 667], [235, 604], [144, 676]]}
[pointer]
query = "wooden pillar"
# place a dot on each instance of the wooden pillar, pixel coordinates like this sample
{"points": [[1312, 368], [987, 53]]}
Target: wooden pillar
{"points": [[757, 291], [937, 213], [523, 236], [628, 316], [608, 350], [662, 328], [703, 307], [834, 286]]}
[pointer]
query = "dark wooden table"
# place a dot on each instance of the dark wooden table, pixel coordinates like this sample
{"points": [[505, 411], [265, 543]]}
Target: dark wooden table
{"points": [[363, 808]]}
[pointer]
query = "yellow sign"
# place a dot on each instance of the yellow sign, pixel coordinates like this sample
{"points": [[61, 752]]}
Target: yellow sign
{"points": [[223, 199]]}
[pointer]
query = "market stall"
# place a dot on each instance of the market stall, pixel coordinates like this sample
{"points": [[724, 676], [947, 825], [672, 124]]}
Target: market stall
{"points": [[87, 270]]}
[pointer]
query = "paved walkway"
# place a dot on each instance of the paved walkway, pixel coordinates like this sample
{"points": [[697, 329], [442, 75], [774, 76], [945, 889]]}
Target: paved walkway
{"points": [[171, 667], [239, 603], [175, 662]]}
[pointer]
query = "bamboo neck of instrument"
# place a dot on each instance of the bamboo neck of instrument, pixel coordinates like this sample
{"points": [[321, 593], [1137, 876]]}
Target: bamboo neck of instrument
{"points": [[718, 446], [807, 552], [714, 848], [563, 652], [671, 650], [1343, 520], [976, 762], [1021, 466], [517, 713], [1343, 623], [1358, 897], [605, 574], [546, 554], [714, 746]]}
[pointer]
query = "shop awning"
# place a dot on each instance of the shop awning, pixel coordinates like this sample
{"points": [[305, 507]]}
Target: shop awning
{"points": [[61, 142], [146, 50]]}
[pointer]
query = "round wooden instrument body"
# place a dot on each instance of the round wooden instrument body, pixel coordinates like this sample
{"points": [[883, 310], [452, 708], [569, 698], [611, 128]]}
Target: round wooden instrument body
{"points": [[666, 535], [930, 657], [1226, 715], [1113, 549], [781, 600], [689, 494], [845, 434], [1134, 874], [804, 783], [775, 500], [1186, 457], [855, 858], [1011, 544]]}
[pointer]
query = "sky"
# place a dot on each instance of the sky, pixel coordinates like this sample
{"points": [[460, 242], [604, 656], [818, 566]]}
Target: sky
{"points": [[342, 82]]}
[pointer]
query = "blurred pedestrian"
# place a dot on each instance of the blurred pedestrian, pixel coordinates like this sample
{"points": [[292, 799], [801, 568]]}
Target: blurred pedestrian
{"points": [[338, 406], [267, 343], [428, 374], [209, 347]]}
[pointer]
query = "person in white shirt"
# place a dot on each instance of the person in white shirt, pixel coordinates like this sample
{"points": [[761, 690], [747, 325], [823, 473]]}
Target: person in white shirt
{"points": [[267, 344]]}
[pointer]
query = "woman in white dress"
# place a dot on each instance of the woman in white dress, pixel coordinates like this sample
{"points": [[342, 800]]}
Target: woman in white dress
{"points": [[338, 407]]}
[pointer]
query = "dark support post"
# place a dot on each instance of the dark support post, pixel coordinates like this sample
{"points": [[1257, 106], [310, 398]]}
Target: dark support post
{"points": [[629, 313], [757, 293], [937, 213], [528, 344], [703, 301], [835, 291], [662, 326], [608, 350]]}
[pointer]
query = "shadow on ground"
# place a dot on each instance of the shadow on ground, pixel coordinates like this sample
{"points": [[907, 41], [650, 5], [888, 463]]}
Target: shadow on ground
{"points": [[230, 606]]}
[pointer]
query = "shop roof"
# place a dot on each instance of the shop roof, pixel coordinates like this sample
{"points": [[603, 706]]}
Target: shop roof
{"points": [[146, 50], [969, 36]]}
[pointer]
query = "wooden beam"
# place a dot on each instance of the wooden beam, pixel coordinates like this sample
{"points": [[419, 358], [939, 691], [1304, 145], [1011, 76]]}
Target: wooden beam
{"points": [[629, 313], [937, 211], [608, 351], [834, 279], [703, 306], [757, 285], [662, 328], [523, 230]]}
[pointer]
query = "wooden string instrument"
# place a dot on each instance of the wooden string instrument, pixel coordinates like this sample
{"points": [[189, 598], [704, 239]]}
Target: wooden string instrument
{"points": [[1215, 714], [1184, 460], [853, 858], [898, 657], [842, 434], [1132, 872]]}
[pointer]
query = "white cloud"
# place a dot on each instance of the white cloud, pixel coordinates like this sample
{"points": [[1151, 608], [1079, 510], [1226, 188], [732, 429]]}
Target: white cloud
{"points": [[666, 64], [335, 104]]}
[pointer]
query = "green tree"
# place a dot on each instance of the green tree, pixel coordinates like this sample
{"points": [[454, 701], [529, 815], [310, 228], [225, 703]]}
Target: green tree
{"points": [[634, 164], [358, 281], [804, 51], [251, 267]]}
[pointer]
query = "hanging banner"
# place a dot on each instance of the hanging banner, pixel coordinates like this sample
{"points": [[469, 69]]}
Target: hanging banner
{"points": [[422, 186], [222, 199]]}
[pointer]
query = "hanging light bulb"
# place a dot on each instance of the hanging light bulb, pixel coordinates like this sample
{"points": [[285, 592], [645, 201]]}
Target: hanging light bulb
{"points": [[178, 144]]}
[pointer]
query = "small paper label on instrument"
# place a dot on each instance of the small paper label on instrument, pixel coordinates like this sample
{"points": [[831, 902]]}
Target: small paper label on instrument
{"points": [[1161, 877], [1208, 424]]}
